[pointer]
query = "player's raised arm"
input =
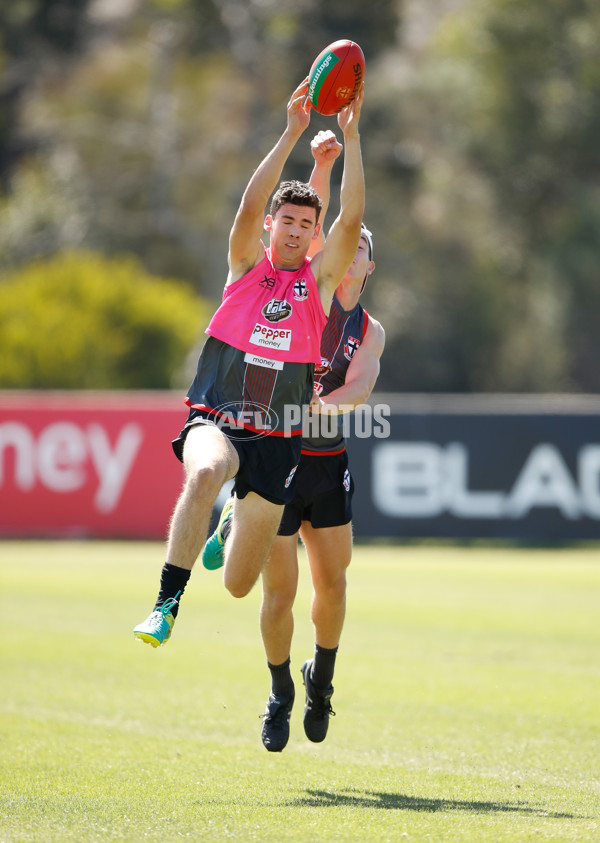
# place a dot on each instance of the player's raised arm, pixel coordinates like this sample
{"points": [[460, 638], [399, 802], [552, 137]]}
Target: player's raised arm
{"points": [[331, 264], [325, 149], [245, 246]]}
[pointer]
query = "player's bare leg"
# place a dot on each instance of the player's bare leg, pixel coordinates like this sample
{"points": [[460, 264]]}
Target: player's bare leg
{"points": [[209, 460], [254, 523], [280, 583], [329, 552]]}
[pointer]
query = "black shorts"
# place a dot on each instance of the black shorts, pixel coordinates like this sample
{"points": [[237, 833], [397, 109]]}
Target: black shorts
{"points": [[267, 463], [322, 494]]}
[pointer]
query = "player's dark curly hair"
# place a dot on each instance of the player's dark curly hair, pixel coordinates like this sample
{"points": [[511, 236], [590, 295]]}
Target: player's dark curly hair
{"points": [[295, 193]]}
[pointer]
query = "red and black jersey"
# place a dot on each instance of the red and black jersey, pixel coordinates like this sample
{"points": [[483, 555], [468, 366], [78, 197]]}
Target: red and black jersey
{"points": [[344, 332]]}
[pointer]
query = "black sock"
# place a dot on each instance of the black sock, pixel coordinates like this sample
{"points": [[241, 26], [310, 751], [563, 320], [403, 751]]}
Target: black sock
{"points": [[172, 580], [323, 667], [282, 683]]}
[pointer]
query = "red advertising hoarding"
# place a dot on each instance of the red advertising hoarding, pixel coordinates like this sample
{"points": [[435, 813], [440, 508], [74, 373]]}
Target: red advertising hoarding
{"points": [[89, 464], [100, 464]]}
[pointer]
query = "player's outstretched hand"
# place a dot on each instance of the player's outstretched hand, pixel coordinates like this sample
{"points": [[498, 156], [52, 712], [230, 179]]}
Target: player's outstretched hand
{"points": [[349, 116], [298, 109], [325, 147]]}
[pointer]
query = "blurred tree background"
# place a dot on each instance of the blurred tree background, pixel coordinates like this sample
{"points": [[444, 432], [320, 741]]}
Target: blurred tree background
{"points": [[131, 127]]}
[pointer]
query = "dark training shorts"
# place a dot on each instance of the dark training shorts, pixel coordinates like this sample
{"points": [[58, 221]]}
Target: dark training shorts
{"points": [[267, 463], [322, 494]]}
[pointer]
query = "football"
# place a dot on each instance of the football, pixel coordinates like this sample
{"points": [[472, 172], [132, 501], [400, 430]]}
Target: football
{"points": [[335, 77]]}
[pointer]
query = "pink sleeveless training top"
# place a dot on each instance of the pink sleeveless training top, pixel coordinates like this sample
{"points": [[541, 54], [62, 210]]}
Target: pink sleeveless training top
{"points": [[272, 313]]}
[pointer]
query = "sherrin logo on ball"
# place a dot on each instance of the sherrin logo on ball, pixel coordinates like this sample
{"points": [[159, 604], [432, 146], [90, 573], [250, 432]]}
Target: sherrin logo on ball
{"points": [[335, 77]]}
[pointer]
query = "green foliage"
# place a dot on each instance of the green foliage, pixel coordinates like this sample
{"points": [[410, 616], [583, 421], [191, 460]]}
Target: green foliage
{"points": [[495, 176], [33, 33], [133, 128], [83, 321], [535, 117]]}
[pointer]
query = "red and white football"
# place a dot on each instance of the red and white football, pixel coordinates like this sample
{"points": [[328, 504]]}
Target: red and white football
{"points": [[335, 77]]}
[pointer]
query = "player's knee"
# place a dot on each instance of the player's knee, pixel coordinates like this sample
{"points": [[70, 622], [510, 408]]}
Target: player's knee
{"points": [[332, 589], [237, 579], [203, 480], [278, 603], [236, 587]]}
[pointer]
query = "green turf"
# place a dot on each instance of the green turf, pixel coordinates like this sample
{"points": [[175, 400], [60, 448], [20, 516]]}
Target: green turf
{"points": [[467, 698]]}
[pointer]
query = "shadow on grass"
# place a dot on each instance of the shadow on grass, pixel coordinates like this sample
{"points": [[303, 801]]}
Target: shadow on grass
{"points": [[400, 802]]}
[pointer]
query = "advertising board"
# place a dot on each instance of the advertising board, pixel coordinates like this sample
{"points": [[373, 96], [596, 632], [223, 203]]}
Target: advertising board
{"points": [[515, 467]]}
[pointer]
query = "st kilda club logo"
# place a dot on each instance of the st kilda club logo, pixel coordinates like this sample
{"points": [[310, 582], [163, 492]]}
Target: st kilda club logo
{"points": [[277, 310], [350, 347], [346, 480], [323, 368], [300, 291]]}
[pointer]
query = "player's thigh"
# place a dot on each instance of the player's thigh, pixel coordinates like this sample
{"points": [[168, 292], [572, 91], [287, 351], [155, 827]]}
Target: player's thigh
{"points": [[329, 551], [254, 526], [207, 448]]}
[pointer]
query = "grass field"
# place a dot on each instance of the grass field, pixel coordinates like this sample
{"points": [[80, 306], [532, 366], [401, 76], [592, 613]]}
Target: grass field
{"points": [[467, 698]]}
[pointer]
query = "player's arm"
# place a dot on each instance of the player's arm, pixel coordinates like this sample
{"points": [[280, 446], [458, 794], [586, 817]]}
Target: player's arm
{"points": [[246, 248], [331, 263], [325, 149], [361, 375]]}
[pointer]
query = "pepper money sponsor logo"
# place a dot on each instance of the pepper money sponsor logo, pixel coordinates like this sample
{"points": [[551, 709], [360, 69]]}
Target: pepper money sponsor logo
{"points": [[268, 337]]}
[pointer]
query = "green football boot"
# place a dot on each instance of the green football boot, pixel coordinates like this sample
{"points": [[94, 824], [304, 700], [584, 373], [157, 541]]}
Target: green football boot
{"points": [[212, 554], [156, 629]]}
